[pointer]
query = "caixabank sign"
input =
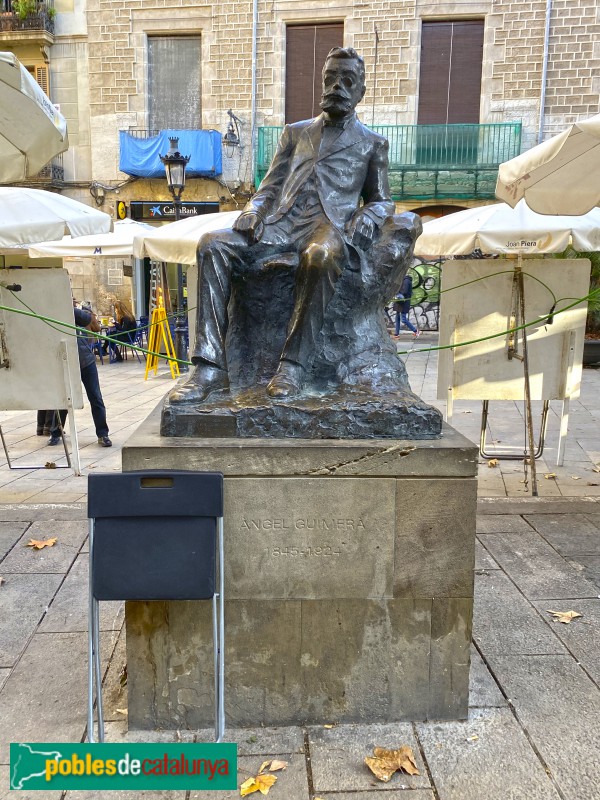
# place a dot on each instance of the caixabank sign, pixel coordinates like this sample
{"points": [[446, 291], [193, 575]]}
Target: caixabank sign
{"points": [[157, 211], [60, 766]]}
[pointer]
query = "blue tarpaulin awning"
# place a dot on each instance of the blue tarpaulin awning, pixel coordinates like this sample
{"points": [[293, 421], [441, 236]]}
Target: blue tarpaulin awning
{"points": [[141, 157]]}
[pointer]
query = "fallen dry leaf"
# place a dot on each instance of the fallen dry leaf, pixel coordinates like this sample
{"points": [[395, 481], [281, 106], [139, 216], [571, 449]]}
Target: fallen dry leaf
{"points": [[272, 766], [328, 726], [473, 738], [550, 475], [50, 465], [384, 763], [575, 478], [564, 616], [123, 711], [260, 783], [596, 469], [493, 462], [591, 483], [39, 544]]}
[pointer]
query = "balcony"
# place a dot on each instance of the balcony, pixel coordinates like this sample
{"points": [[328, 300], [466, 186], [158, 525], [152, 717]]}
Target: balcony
{"points": [[29, 20], [51, 176], [432, 162], [140, 150]]}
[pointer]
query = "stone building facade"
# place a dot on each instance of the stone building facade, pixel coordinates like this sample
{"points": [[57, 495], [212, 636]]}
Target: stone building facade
{"points": [[98, 65]]}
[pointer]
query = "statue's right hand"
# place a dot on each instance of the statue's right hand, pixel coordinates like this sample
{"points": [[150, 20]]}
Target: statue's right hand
{"points": [[251, 225]]}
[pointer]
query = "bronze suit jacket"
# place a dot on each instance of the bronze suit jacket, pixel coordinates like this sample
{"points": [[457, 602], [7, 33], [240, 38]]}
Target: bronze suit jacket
{"points": [[354, 167]]}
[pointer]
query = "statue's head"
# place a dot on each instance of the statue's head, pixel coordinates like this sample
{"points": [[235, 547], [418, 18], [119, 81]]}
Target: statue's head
{"points": [[343, 81]]}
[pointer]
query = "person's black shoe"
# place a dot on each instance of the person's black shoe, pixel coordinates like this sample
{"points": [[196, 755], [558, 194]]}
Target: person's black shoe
{"points": [[104, 441], [46, 432], [39, 432], [54, 440]]}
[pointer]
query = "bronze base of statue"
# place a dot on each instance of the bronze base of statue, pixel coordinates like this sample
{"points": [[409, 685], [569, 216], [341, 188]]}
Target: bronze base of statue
{"points": [[347, 412]]}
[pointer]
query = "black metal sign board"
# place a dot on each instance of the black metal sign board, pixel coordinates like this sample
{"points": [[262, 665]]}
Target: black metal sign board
{"points": [[161, 210]]}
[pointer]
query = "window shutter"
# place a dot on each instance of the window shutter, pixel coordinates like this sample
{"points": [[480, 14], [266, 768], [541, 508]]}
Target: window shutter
{"points": [[450, 79], [41, 76], [307, 47], [174, 83]]}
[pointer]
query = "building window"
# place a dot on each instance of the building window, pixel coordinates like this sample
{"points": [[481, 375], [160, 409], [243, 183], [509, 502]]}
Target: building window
{"points": [[174, 83], [450, 74], [306, 49]]}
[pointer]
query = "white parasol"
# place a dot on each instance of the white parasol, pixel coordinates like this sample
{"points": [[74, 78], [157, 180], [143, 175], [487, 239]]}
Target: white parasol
{"points": [[116, 244], [32, 131], [28, 216], [498, 228], [559, 176], [177, 241]]}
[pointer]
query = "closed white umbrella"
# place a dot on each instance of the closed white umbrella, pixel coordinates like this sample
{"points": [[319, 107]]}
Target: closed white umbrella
{"points": [[32, 131], [177, 241], [118, 243], [28, 216], [498, 228], [559, 176]]}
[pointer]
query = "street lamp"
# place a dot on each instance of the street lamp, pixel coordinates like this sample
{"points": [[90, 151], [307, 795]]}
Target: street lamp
{"points": [[175, 165]]}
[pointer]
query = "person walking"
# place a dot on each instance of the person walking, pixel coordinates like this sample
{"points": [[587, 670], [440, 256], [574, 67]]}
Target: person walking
{"points": [[89, 378], [402, 307]]}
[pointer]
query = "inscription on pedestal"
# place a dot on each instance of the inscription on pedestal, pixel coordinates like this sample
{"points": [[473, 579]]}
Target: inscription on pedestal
{"points": [[308, 540]]}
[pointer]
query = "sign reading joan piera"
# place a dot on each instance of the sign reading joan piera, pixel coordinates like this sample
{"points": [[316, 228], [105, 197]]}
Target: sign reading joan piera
{"points": [[59, 766]]}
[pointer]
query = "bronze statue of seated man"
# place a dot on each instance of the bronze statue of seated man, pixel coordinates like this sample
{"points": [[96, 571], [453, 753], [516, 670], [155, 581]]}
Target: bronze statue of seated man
{"points": [[325, 200]]}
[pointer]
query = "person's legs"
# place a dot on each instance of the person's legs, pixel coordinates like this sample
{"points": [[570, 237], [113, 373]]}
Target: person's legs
{"points": [[220, 254], [407, 322], [55, 437], [91, 383], [321, 263], [398, 313]]}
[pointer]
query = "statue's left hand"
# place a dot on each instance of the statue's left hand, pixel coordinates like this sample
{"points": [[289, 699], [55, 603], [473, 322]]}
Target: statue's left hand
{"points": [[361, 230]]}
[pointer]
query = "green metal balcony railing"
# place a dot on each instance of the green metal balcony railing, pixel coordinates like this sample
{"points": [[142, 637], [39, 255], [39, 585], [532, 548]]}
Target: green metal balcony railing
{"points": [[432, 161]]}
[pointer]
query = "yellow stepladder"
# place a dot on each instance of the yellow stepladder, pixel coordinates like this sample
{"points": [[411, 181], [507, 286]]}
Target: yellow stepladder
{"points": [[160, 334]]}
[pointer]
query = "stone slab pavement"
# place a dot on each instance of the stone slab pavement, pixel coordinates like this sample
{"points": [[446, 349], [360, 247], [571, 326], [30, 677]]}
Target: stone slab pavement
{"points": [[533, 730]]}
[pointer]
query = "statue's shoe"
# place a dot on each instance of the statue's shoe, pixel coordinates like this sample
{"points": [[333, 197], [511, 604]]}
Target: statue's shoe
{"points": [[202, 382], [287, 381]]}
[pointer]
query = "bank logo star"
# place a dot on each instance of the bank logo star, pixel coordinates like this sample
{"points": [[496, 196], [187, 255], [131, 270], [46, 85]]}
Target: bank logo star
{"points": [[155, 211]]}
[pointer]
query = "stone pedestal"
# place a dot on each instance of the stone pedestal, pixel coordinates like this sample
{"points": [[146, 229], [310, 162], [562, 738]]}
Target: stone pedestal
{"points": [[349, 584]]}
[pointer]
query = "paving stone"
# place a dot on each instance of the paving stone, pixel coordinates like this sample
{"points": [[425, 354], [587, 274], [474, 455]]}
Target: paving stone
{"points": [[389, 793], [24, 599], [501, 523], [69, 609], [499, 764], [150, 794], [536, 505], [4, 673], [338, 754], [483, 689], [559, 706], [505, 622], [483, 559], [10, 512], [260, 741], [582, 636], [117, 732], [10, 533], [588, 566], [291, 784], [569, 534], [44, 699], [536, 567], [70, 536], [6, 794]]}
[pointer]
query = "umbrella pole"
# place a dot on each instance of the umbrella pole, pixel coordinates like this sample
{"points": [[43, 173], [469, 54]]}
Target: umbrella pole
{"points": [[528, 412]]}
